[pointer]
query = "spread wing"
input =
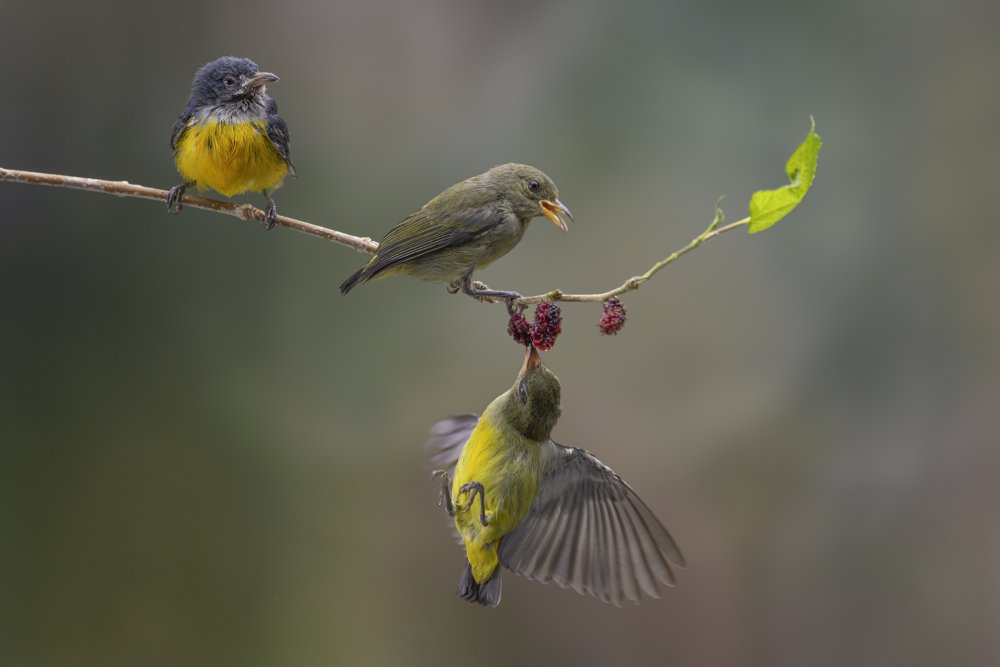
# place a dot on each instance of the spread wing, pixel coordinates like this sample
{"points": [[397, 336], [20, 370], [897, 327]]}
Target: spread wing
{"points": [[277, 132], [447, 437], [589, 531]]}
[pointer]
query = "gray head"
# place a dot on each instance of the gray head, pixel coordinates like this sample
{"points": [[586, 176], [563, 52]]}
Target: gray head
{"points": [[532, 404], [228, 80], [530, 191]]}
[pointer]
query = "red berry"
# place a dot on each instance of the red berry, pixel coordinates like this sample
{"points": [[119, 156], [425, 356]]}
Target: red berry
{"points": [[613, 319], [547, 326], [519, 329]]}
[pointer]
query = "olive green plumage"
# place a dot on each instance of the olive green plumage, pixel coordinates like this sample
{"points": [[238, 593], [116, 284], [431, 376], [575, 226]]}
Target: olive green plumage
{"points": [[468, 226]]}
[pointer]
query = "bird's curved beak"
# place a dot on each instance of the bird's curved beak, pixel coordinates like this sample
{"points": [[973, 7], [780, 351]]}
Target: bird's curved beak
{"points": [[259, 79], [556, 211], [531, 360]]}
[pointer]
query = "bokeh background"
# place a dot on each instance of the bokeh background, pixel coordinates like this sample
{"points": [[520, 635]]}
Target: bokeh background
{"points": [[210, 457]]}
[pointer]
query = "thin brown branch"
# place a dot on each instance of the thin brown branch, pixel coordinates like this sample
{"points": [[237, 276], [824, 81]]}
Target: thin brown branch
{"points": [[361, 244], [241, 211]]}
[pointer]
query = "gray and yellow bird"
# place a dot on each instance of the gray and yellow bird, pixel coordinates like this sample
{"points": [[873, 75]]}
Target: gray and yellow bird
{"points": [[468, 226], [229, 137], [542, 510]]}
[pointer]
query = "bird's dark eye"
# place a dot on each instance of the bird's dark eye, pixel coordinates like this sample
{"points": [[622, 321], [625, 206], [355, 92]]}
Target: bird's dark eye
{"points": [[229, 81], [522, 391], [533, 185]]}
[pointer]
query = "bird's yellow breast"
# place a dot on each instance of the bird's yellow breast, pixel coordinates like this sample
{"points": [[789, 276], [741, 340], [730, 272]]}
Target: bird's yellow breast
{"points": [[508, 467], [229, 158]]}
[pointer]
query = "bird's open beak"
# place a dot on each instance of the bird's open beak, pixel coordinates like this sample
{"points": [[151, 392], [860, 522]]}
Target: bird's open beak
{"points": [[556, 211], [259, 79], [531, 360]]}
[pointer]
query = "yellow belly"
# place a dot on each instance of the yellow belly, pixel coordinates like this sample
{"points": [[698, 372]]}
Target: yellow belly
{"points": [[509, 475], [230, 158]]}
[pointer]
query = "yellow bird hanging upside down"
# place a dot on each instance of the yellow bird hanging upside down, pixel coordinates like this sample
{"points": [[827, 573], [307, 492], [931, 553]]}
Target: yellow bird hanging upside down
{"points": [[542, 510]]}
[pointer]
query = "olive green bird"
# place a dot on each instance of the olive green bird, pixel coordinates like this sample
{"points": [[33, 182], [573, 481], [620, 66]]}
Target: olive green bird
{"points": [[542, 510], [468, 226]]}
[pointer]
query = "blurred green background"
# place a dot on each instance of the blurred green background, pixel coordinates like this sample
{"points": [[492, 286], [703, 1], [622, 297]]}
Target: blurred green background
{"points": [[210, 457]]}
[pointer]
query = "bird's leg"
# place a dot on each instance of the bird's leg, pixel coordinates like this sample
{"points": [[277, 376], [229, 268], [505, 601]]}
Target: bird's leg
{"points": [[478, 290], [174, 197], [472, 488], [270, 213], [445, 492]]}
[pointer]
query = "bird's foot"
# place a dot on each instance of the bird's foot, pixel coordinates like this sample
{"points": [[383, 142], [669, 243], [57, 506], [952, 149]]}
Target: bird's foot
{"points": [[270, 214], [473, 488], [484, 299], [482, 292], [445, 498], [174, 197], [480, 287]]}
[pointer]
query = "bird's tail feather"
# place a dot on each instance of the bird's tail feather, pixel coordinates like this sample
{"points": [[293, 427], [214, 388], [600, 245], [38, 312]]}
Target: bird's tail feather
{"points": [[351, 282], [486, 594]]}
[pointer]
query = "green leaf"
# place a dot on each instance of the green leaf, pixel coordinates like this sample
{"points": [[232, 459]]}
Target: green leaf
{"points": [[769, 206]]}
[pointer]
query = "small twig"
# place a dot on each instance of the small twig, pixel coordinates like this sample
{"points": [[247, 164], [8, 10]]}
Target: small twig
{"points": [[361, 244], [634, 282], [241, 211]]}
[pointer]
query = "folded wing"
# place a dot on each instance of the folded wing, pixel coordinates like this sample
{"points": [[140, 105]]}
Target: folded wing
{"points": [[431, 229]]}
